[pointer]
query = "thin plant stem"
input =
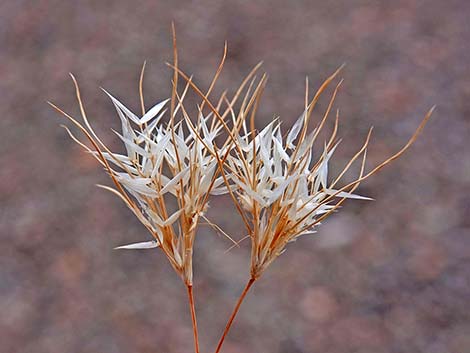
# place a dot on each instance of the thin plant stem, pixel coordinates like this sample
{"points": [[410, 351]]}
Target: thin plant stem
{"points": [[193, 317], [234, 313]]}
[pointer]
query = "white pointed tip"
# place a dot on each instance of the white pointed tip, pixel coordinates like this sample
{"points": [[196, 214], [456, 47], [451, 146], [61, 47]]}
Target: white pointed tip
{"points": [[101, 88], [138, 246]]}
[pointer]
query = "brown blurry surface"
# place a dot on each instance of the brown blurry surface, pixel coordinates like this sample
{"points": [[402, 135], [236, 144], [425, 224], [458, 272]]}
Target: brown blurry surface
{"points": [[387, 276]]}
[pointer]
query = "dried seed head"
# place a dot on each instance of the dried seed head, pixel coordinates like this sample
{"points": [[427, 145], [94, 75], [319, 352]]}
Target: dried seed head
{"points": [[169, 163], [278, 188], [280, 191]]}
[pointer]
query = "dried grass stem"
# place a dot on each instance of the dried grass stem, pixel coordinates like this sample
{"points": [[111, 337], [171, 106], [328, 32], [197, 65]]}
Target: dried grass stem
{"points": [[234, 313], [193, 317]]}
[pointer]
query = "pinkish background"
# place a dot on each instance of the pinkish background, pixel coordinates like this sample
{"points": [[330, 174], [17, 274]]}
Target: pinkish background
{"points": [[388, 276]]}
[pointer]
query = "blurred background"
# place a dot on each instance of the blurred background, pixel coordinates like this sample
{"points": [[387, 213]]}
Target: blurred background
{"points": [[387, 276]]}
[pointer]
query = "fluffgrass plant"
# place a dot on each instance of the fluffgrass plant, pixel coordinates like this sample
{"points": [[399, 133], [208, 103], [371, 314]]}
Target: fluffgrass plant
{"points": [[176, 162]]}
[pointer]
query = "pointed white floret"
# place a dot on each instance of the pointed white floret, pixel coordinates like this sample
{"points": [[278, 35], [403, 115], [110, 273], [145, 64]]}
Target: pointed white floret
{"points": [[280, 150], [136, 184], [346, 195], [171, 185], [294, 131], [124, 109], [138, 246], [153, 111], [277, 192], [167, 222], [322, 172], [223, 190]]}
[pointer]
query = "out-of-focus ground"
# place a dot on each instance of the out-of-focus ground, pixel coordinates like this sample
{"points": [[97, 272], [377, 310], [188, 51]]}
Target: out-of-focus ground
{"points": [[388, 276]]}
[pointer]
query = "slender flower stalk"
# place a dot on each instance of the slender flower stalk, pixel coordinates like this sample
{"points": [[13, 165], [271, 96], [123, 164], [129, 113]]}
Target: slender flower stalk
{"points": [[234, 313], [193, 317]]}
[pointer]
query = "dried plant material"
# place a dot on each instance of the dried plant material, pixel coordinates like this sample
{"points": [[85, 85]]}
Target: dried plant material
{"points": [[162, 161], [279, 183], [170, 159], [141, 245], [280, 190], [168, 155]]}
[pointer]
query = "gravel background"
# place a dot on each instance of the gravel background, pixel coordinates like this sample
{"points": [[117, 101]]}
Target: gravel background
{"points": [[388, 276]]}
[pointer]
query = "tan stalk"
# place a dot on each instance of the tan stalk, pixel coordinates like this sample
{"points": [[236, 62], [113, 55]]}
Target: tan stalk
{"points": [[193, 317], [234, 199], [217, 73], [312, 105], [219, 230], [234, 313], [392, 158]]}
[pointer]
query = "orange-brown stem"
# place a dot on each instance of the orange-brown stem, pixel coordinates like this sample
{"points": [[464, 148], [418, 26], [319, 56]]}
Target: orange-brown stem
{"points": [[234, 313], [193, 317]]}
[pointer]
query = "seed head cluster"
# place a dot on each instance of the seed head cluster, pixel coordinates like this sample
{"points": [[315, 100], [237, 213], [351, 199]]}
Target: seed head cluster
{"points": [[174, 162], [175, 159]]}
